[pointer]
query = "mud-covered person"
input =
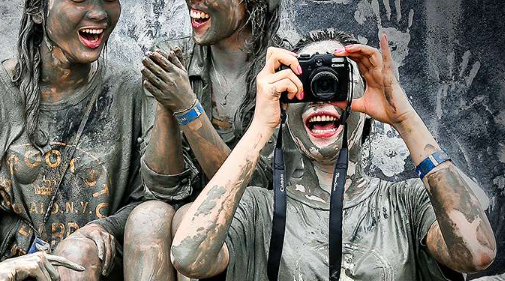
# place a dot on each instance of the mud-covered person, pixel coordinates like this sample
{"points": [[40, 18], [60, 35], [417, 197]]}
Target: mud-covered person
{"points": [[69, 170], [216, 68], [390, 230]]}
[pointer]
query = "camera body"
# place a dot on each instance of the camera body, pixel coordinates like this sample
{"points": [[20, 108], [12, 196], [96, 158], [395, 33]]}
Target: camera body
{"points": [[324, 77]]}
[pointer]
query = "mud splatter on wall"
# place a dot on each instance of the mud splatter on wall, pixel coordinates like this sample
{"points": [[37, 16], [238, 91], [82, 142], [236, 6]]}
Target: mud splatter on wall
{"points": [[450, 63]]}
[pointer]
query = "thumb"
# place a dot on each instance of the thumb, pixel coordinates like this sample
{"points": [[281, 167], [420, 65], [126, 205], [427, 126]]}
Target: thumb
{"points": [[358, 105]]}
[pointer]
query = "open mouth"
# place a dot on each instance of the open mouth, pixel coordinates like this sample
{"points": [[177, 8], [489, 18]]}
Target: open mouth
{"points": [[91, 37], [323, 124], [198, 18]]}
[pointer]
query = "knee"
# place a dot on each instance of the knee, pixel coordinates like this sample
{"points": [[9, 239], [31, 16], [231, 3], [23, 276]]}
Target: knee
{"points": [[82, 251], [78, 249], [179, 215], [149, 221]]}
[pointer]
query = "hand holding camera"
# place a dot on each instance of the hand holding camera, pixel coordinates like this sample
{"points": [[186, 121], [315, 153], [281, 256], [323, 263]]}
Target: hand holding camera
{"points": [[384, 99], [271, 84]]}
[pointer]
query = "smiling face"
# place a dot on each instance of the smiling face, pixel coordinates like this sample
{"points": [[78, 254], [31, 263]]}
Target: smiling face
{"points": [[80, 28], [315, 126], [215, 20]]}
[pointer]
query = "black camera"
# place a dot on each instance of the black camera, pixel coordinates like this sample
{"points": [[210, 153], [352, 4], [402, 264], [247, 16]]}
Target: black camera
{"points": [[324, 77]]}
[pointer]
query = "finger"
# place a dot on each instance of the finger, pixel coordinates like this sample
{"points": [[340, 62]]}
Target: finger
{"points": [[285, 85], [164, 61], [372, 54], [271, 50], [280, 57], [358, 105], [113, 253], [39, 274], [99, 246], [387, 58], [108, 254], [61, 261], [289, 74], [53, 273], [152, 89], [179, 55], [158, 66], [171, 58], [151, 77], [41, 271]]}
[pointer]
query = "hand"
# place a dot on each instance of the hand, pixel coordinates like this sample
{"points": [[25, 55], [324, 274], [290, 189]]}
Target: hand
{"points": [[105, 243], [384, 99], [38, 265], [271, 84], [166, 78]]}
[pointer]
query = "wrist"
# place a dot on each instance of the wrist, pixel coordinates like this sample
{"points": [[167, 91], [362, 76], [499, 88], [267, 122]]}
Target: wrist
{"points": [[409, 121], [164, 113], [261, 129]]}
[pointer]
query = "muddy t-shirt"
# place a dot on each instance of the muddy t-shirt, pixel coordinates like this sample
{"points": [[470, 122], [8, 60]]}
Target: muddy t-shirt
{"points": [[175, 188], [102, 182], [383, 232]]}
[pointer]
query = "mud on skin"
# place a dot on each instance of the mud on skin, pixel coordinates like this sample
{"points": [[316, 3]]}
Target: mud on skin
{"points": [[450, 204]]}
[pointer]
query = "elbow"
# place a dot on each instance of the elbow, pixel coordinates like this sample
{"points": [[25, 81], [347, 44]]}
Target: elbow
{"points": [[483, 260], [479, 262], [187, 263]]}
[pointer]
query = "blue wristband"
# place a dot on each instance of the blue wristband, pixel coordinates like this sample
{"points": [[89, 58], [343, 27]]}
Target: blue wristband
{"points": [[431, 162], [190, 115]]}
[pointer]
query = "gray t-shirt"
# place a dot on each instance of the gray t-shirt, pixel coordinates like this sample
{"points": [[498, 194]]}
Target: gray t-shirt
{"points": [[383, 234], [102, 183]]}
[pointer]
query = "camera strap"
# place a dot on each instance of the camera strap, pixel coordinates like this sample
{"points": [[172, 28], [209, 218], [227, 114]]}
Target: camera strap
{"points": [[336, 209], [336, 200], [279, 219]]}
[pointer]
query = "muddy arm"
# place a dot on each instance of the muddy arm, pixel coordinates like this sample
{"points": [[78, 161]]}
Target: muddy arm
{"points": [[165, 143], [210, 150], [198, 249], [461, 238]]}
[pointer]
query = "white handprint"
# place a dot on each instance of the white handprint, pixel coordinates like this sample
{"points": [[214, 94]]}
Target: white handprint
{"points": [[398, 35], [458, 80]]}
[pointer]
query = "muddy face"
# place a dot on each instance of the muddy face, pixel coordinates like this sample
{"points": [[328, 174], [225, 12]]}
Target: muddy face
{"points": [[215, 20], [80, 28], [315, 126]]}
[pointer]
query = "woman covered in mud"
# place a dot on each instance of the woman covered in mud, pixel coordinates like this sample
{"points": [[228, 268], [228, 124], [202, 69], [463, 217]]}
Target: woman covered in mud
{"points": [[390, 230], [211, 75], [69, 170]]}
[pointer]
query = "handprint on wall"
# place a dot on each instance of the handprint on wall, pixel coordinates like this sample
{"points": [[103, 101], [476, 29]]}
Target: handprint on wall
{"points": [[390, 21], [455, 82]]}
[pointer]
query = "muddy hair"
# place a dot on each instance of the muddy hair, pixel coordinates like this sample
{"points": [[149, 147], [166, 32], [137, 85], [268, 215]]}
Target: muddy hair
{"points": [[345, 39], [264, 26], [28, 66]]}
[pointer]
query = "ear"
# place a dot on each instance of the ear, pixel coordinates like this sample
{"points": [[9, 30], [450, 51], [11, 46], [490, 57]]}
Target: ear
{"points": [[37, 18]]}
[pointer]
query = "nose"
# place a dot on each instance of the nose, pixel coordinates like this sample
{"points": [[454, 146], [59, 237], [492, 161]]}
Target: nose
{"points": [[96, 12]]}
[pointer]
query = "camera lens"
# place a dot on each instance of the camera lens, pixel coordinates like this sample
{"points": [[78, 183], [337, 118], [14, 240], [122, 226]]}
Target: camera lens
{"points": [[324, 85]]}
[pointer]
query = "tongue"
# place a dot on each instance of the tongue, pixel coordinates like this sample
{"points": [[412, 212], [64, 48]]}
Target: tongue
{"points": [[91, 37], [324, 126]]}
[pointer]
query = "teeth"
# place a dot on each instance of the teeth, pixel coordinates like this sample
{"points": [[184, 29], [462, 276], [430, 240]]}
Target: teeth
{"points": [[199, 14], [324, 131], [323, 118], [92, 31]]}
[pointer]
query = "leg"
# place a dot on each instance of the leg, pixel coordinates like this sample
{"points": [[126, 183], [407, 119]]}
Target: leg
{"points": [[83, 251], [175, 225], [147, 243]]}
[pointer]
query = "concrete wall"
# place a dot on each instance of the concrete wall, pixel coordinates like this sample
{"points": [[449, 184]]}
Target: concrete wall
{"points": [[449, 54]]}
